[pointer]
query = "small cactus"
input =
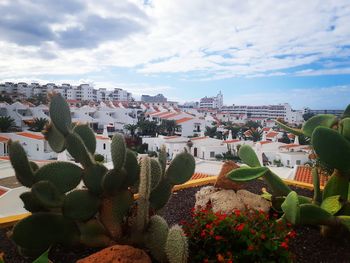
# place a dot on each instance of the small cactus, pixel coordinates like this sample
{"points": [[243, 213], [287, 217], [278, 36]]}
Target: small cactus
{"points": [[106, 211], [176, 245], [330, 141]]}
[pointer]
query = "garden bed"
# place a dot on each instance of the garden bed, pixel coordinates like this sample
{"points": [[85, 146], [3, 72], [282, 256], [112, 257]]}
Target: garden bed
{"points": [[308, 246]]}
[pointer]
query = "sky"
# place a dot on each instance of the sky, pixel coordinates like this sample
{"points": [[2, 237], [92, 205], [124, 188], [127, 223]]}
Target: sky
{"points": [[255, 52]]}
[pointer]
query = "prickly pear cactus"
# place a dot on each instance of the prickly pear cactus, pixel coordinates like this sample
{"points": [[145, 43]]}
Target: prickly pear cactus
{"points": [[105, 211], [330, 139]]}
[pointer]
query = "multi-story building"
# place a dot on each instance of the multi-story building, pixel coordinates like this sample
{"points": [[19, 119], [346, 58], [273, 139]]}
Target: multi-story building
{"points": [[334, 112], [212, 102], [83, 92], [283, 111], [152, 99]]}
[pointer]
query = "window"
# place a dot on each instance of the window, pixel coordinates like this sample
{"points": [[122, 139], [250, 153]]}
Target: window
{"points": [[104, 146], [37, 147], [298, 162], [212, 154], [288, 162]]}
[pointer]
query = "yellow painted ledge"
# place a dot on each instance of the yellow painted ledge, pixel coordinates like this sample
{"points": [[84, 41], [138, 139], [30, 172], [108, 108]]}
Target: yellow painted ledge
{"points": [[11, 220]]}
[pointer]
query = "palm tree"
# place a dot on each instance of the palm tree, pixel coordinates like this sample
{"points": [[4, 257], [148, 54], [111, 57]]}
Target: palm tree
{"points": [[6, 123], [38, 124], [131, 128], [255, 134], [169, 126]]}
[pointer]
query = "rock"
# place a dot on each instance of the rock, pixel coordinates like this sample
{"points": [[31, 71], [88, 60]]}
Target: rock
{"points": [[253, 201], [118, 254], [225, 183], [225, 201], [203, 196]]}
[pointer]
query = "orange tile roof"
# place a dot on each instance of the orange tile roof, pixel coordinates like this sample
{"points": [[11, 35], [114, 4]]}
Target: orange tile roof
{"points": [[3, 139], [2, 191], [183, 120], [264, 142], [102, 137], [31, 135], [291, 136], [159, 114], [272, 134], [231, 141], [304, 174], [170, 115], [266, 129], [288, 146]]}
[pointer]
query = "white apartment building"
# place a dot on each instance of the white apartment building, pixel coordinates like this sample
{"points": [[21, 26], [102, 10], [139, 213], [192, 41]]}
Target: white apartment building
{"points": [[212, 102], [283, 111], [83, 92]]}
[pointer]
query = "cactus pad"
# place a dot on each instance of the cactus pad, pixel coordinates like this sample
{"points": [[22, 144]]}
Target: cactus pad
{"points": [[160, 195], [248, 156], [93, 176], [118, 151], [87, 135], [244, 174], [64, 175], [181, 168], [55, 138], [324, 120], [291, 208], [132, 168], [332, 148], [60, 114], [156, 173], [80, 205], [20, 163], [47, 194]]}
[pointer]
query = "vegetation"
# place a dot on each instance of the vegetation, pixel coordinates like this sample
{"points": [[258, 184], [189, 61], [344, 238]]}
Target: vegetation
{"points": [[6, 123], [106, 211], [38, 124], [213, 133], [243, 236], [131, 128], [285, 138], [168, 127], [330, 208]]}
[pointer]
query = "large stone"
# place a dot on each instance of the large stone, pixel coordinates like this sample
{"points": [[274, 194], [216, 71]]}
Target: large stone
{"points": [[225, 201], [203, 196], [253, 201], [118, 254], [225, 183]]}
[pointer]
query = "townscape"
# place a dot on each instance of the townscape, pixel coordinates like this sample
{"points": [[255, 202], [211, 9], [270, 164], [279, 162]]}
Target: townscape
{"points": [[139, 131]]}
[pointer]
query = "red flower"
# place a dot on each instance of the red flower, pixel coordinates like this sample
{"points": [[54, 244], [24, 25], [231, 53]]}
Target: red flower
{"points": [[237, 212], [208, 226], [292, 234], [218, 238], [240, 227], [205, 260], [203, 234], [211, 232], [284, 245], [250, 248], [262, 236]]}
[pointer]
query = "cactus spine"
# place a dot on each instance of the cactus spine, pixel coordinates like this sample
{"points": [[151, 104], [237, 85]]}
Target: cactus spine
{"points": [[104, 213]]}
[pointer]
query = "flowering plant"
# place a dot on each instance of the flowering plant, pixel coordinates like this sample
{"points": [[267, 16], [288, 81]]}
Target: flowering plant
{"points": [[243, 236]]}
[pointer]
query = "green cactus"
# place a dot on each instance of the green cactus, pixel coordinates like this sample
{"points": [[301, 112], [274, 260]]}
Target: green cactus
{"points": [[47, 194], [80, 205], [156, 236], [87, 135], [64, 175], [55, 138], [180, 169], [60, 114], [330, 208], [118, 151], [176, 246], [92, 205], [20, 164]]}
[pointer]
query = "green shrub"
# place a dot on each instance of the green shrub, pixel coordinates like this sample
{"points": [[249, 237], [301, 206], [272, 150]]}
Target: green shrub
{"points": [[249, 236], [99, 158]]}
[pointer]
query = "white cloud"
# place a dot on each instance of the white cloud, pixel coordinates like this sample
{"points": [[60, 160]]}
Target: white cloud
{"points": [[227, 39]]}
